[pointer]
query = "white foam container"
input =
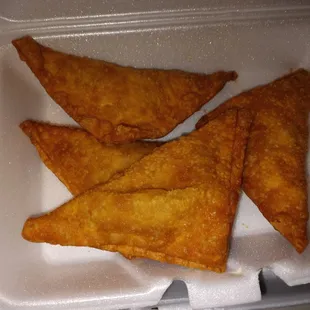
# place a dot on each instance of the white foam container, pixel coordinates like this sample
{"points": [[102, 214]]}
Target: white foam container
{"points": [[261, 40]]}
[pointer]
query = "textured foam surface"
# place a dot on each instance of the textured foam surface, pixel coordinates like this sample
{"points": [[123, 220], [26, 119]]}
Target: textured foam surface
{"points": [[43, 275]]}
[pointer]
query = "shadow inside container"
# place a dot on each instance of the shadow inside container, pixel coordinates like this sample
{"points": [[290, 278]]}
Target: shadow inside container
{"points": [[262, 250], [20, 166], [80, 283], [176, 291]]}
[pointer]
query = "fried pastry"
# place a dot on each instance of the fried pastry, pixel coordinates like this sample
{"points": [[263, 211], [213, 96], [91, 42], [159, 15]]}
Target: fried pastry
{"points": [[199, 157], [180, 208], [275, 165], [77, 158], [119, 104]]}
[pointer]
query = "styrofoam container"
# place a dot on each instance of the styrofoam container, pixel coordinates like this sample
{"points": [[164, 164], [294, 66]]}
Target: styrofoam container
{"points": [[261, 40]]}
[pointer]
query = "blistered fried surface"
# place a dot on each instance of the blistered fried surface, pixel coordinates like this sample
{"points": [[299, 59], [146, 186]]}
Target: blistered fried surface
{"points": [[186, 220], [77, 158], [203, 156], [275, 167], [165, 223], [119, 104]]}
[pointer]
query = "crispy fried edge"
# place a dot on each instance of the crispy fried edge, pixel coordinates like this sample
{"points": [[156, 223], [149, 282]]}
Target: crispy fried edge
{"points": [[238, 155]]}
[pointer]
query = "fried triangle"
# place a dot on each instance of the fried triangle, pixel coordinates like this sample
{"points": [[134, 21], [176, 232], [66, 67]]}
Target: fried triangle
{"points": [[275, 164], [77, 158], [187, 220], [119, 104], [202, 156]]}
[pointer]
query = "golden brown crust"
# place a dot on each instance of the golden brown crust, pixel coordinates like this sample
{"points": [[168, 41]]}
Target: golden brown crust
{"points": [[119, 104], [274, 175], [152, 223], [186, 221], [77, 158], [202, 156]]}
